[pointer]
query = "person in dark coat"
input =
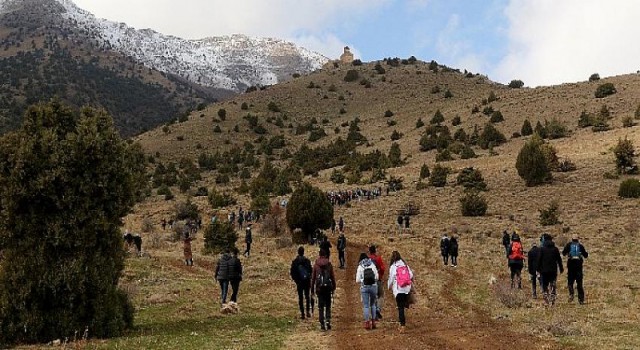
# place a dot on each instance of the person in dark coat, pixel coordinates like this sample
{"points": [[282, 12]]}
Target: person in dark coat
{"points": [[444, 249], [186, 247], [342, 246], [506, 241], [453, 251], [549, 262], [406, 222], [222, 274], [575, 253], [532, 258], [248, 239], [326, 245], [323, 267], [301, 275], [235, 274], [400, 222], [341, 224]]}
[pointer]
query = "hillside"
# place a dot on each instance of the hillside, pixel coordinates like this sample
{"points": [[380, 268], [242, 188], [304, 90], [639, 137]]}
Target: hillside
{"points": [[458, 309]]}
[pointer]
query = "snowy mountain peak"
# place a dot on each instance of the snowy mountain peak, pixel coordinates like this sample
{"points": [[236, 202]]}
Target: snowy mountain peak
{"points": [[231, 62]]}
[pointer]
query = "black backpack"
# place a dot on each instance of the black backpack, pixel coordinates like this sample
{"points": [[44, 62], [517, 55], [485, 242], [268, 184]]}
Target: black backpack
{"points": [[369, 276], [303, 273], [323, 280]]}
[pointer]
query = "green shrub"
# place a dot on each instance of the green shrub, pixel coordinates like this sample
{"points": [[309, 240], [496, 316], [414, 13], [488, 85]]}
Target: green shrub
{"points": [[222, 114], [187, 210], [351, 76], [566, 165], [467, 152], [488, 111], [492, 97], [516, 84], [625, 157], [636, 115], [541, 130], [437, 118], [379, 69], [244, 106], [220, 200], [163, 190], [490, 136], [443, 156], [594, 77], [627, 122], [496, 117], [388, 114], [395, 135], [260, 204], [273, 107], [316, 134], [419, 123], [435, 89], [218, 237], [532, 164], [471, 178], [337, 176], [438, 176], [526, 129], [448, 94], [605, 90], [299, 215], [456, 121], [222, 179], [421, 185], [550, 215], [461, 136], [356, 62], [424, 171], [555, 129], [473, 204], [629, 188]]}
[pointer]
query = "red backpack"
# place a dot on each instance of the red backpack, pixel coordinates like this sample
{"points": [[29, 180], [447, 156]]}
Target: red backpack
{"points": [[516, 251]]}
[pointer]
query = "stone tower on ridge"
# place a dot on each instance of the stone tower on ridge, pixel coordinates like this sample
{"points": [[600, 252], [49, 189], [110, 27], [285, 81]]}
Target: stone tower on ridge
{"points": [[347, 56]]}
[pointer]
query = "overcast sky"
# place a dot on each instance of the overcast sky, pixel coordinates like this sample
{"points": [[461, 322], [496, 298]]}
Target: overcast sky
{"points": [[541, 42]]}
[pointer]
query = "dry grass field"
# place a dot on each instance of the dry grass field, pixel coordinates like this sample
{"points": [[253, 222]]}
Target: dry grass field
{"points": [[177, 307]]}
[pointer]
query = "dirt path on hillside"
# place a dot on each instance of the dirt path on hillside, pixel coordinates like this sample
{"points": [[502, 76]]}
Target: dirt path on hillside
{"points": [[446, 322]]}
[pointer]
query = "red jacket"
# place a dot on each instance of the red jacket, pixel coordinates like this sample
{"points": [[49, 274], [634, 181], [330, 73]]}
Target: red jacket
{"points": [[379, 264]]}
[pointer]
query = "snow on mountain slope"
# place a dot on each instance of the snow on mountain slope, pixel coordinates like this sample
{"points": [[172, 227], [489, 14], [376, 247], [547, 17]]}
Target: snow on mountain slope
{"points": [[229, 62]]}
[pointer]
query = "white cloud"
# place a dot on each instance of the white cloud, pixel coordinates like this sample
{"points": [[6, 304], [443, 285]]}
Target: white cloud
{"points": [[552, 41], [327, 44], [193, 19]]}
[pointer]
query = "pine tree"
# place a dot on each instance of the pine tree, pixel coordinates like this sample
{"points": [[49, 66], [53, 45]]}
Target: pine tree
{"points": [[532, 163], [309, 209]]}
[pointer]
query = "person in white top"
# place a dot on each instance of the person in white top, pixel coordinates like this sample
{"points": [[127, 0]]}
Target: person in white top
{"points": [[400, 279], [367, 276]]}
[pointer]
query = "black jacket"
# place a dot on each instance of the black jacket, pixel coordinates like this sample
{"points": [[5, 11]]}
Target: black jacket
{"points": [[549, 260], [303, 261], [453, 247], [574, 263], [505, 239], [342, 243], [234, 270], [247, 236], [532, 258], [444, 246], [222, 268]]}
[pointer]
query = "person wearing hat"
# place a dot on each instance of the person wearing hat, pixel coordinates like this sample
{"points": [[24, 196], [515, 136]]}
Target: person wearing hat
{"points": [[575, 253]]}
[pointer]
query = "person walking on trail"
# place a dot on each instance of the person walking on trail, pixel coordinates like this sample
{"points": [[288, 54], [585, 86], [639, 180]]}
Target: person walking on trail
{"points": [[222, 275], [377, 259], [445, 245], [400, 222], [367, 276], [333, 226], [341, 224], [575, 253], [325, 244], [323, 284], [532, 259], [342, 246], [188, 255], [301, 275], [506, 241], [406, 221], [516, 261], [549, 262], [400, 280], [248, 239], [453, 251], [235, 274]]}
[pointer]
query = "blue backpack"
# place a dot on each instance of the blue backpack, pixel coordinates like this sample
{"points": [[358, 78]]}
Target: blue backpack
{"points": [[574, 251]]}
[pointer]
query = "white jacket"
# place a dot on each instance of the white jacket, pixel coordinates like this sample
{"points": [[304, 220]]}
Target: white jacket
{"points": [[360, 272], [393, 284]]}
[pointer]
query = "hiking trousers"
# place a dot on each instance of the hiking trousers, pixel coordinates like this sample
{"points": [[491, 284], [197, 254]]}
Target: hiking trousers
{"points": [[516, 271], [224, 290], [534, 279], [341, 257], [576, 276], [248, 250], [401, 302], [369, 294], [549, 287], [445, 258], [235, 287], [324, 308], [303, 292]]}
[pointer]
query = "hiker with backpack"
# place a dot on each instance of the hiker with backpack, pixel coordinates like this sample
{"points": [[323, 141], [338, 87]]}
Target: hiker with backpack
{"points": [[445, 245], [453, 251], [342, 246], [575, 253], [377, 260], [323, 284], [186, 247], [532, 258], [325, 244], [235, 274], [400, 281], [367, 276], [301, 275], [549, 262], [516, 261], [222, 275]]}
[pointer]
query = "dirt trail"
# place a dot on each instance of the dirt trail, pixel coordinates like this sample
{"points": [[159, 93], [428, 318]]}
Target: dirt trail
{"points": [[446, 323]]}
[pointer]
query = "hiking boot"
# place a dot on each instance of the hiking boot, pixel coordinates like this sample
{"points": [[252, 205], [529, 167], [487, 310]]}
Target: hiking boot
{"points": [[570, 298], [322, 327], [302, 317], [308, 314], [581, 302], [378, 315], [328, 326], [373, 324], [367, 325]]}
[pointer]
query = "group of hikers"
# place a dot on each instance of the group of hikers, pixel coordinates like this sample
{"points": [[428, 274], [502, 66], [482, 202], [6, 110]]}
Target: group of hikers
{"points": [[544, 262], [343, 197], [319, 281], [449, 249]]}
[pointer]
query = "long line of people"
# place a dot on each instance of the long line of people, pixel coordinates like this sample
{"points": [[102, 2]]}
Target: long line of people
{"points": [[343, 197]]}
